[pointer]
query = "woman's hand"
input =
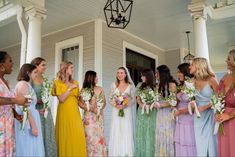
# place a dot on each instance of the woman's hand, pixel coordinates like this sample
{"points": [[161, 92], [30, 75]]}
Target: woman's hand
{"points": [[72, 86], [177, 113], [222, 117], [20, 100], [34, 131], [41, 111]]}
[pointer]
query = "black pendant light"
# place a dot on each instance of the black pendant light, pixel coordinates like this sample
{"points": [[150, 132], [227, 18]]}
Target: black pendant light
{"points": [[118, 13], [189, 57]]}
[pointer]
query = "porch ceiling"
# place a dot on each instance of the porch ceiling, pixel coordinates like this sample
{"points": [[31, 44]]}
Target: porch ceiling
{"points": [[161, 22]]}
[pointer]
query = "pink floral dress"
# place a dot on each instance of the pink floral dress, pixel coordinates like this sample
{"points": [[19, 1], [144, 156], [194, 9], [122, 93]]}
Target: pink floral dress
{"points": [[94, 131], [7, 136]]}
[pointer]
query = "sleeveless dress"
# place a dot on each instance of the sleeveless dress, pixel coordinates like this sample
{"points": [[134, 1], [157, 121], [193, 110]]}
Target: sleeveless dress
{"points": [[7, 134], [145, 133], [121, 142], [94, 131], [227, 140], [70, 135], [26, 143], [165, 129], [48, 129], [206, 141], [184, 130]]}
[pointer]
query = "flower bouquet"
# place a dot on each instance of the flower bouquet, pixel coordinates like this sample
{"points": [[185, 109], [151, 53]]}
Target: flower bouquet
{"points": [[190, 91], [25, 111], [86, 94], [120, 101], [217, 102], [148, 97], [45, 94], [100, 103]]}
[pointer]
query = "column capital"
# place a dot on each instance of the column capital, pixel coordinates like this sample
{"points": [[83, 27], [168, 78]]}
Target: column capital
{"points": [[198, 10], [35, 11]]}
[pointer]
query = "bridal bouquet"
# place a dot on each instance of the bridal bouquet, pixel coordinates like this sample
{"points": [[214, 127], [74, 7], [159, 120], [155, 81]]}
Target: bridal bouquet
{"points": [[148, 97], [217, 102], [190, 91], [86, 94], [120, 100], [45, 94]]}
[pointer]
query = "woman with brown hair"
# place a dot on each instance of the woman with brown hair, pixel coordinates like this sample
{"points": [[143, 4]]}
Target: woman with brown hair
{"points": [[70, 134], [94, 117], [48, 129], [29, 140]]}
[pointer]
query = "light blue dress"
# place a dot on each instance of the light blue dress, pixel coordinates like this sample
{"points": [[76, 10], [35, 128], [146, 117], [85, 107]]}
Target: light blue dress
{"points": [[206, 141], [26, 143]]}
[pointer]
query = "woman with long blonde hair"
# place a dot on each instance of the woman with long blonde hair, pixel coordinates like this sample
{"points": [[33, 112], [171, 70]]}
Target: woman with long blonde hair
{"points": [[205, 83], [70, 134], [227, 86]]}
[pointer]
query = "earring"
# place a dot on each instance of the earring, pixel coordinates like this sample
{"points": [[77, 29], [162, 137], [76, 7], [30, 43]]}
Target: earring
{"points": [[3, 69]]}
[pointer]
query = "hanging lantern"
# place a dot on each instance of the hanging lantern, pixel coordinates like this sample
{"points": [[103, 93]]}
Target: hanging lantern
{"points": [[118, 13], [189, 57]]}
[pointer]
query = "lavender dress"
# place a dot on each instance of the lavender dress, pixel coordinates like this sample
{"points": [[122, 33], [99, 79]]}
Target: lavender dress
{"points": [[184, 131]]}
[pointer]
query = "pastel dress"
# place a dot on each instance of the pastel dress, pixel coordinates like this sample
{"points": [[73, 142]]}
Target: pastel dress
{"points": [[121, 140], [26, 143], [70, 135], [227, 140], [48, 128], [206, 141], [7, 135], [165, 129], [184, 130], [145, 133], [94, 131]]}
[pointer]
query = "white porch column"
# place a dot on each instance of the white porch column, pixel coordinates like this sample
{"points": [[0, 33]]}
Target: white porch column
{"points": [[199, 16], [35, 16]]}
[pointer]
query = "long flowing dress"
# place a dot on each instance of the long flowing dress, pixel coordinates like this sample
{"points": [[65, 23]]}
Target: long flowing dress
{"points": [[121, 142], [7, 135], [26, 143], [206, 141], [226, 141], [48, 129], [70, 135], [184, 130], [165, 129], [145, 133], [94, 131]]}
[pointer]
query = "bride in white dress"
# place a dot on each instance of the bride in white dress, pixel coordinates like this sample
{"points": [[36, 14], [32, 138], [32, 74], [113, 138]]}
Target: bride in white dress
{"points": [[121, 142]]}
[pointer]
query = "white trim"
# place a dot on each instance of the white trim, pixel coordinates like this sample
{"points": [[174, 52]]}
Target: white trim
{"points": [[58, 58], [98, 50], [139, 50], [66, 28], [69, 43]]}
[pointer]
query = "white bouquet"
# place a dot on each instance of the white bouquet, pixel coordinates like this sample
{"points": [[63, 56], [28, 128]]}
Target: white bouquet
{"points": [[190, 90], [45, 94], [100, 103], [148, 97], [217, 102], [86, 94], [172, 99], [25, 110]]}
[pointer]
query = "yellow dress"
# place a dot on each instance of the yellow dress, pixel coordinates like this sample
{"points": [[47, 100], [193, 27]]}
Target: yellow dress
{"points": [[70, 136]]}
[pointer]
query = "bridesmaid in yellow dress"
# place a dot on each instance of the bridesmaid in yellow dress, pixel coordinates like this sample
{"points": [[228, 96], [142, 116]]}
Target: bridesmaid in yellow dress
{"points": [[70, 136]]}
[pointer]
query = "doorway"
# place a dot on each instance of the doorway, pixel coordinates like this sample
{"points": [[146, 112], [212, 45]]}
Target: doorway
{"points": [[136, 62]]}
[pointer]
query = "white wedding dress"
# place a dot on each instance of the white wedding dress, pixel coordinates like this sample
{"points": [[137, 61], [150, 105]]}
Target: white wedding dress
{"points": [[121, 142]]}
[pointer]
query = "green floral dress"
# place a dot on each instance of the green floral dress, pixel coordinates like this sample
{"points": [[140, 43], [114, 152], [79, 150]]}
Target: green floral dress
{"points": [[145, 133], [48, 128]]}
